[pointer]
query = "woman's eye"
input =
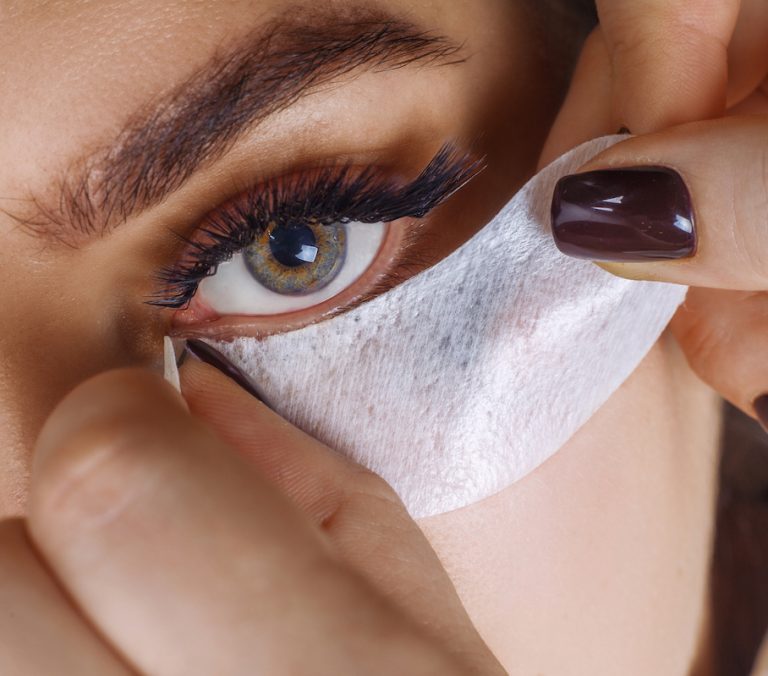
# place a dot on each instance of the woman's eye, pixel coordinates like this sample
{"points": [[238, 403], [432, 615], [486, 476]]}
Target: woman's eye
{"points": [[309, 244], [291, 266]]}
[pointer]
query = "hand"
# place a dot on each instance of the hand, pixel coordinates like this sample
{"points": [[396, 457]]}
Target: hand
{"points": [[659, 63], [654, 64], [222, 542]]}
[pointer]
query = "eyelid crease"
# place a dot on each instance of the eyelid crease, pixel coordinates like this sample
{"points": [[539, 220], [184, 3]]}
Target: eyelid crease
{"points": [[334, 195], [197, 122]]}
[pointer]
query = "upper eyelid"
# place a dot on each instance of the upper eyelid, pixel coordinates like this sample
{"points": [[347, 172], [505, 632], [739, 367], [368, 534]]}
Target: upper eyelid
{"points": [[158, 151], [366, 197]]}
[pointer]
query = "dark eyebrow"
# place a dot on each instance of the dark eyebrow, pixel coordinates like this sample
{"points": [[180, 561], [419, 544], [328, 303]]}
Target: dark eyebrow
{"points": [[199, 120]]}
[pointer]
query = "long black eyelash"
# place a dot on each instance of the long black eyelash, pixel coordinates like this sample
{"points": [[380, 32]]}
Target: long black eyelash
{"points": [[332, 195]]}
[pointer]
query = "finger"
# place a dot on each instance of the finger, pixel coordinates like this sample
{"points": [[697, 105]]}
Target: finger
{"points": [[652, 64], [724, 335], [669, 59], [366, 522], [685, 206], [40, 631], [586, 111], [748, 52], [620, 63], [187, 559]]}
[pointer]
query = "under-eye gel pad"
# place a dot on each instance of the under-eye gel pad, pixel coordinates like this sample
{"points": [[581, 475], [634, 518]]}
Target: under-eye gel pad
{"points": [[470, 375]]}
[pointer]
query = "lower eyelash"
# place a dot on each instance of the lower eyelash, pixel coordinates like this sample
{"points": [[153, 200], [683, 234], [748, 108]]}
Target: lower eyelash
{"points": [[332, 195]]}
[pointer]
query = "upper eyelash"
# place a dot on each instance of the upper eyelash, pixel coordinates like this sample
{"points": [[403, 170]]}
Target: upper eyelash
{"points": [[331, 195]]}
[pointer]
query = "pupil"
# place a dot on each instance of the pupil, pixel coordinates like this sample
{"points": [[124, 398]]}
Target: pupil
{"points": [[293, 245]]}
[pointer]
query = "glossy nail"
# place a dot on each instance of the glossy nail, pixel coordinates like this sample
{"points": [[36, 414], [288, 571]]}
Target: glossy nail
{"points": [[635, 214], [209, 355], [761, 409]]}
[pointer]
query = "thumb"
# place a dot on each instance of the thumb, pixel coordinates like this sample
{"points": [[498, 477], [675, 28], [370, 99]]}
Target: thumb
{"points": [[687, 205]]}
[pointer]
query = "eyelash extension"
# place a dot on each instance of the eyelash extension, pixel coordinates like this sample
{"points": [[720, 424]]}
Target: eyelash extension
{"points": [[331, 196]]}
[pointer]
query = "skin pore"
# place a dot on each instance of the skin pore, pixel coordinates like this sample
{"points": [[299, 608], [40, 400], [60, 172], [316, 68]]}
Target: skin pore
{"points": [[595, 563]]}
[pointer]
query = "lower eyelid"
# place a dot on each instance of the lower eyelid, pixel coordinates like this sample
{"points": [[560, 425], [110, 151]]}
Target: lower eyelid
{"points": [[331, 194]]}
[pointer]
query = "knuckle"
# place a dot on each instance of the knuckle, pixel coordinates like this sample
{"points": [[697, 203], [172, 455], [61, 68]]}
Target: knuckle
{"points": [[371, 485], [364, 492]]}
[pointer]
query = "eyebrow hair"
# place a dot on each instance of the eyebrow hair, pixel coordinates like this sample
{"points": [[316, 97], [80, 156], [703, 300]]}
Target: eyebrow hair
{"points": [[203, 117]]}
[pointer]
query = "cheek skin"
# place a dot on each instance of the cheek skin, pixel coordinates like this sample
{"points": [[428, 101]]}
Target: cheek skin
{"points": [[609, 539]]}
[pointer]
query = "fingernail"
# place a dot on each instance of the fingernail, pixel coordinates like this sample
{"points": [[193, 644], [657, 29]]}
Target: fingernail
{"points": [[209, 355], [635, 214], [761, 409]]}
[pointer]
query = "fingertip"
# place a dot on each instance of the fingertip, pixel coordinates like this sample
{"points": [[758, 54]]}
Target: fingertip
{"points": [[309, 472], [207, 354], [237, 417], [211, 392]]}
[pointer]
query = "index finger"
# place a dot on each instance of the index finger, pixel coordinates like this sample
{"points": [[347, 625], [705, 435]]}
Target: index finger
{"points": [[669, 59]]}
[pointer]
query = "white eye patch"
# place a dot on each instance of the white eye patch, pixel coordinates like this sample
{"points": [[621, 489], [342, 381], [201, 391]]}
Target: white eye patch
{"points": [[467, 377]]}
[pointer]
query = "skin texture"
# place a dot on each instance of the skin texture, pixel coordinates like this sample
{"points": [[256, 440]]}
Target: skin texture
{"points": [[575, 556]]}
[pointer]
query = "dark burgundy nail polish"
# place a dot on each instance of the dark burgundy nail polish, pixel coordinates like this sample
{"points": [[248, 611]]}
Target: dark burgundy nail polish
{"points": [[761, 409], [209, 355], [635, 214]]}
